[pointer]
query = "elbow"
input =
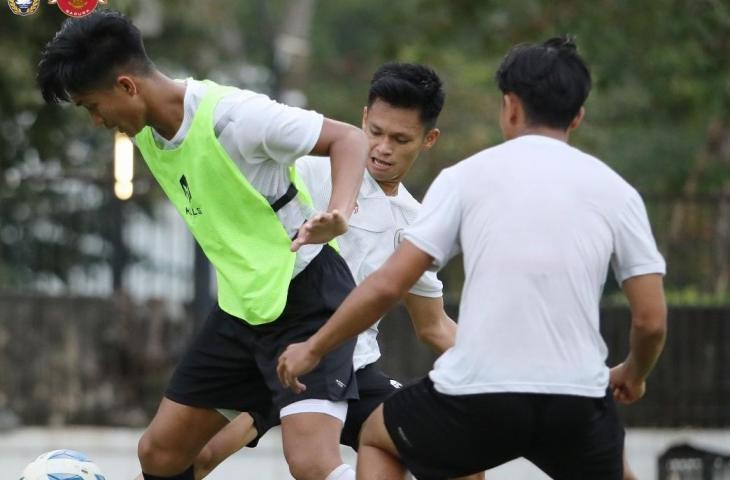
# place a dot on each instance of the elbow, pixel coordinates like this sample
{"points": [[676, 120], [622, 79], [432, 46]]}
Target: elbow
{"points": [[651, 322], [384, 290]]}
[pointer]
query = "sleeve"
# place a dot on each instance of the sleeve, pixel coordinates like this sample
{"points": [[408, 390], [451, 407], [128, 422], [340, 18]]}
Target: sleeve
{"points": [[436, 229], [316, 175], [634, 249], [268, 130], [428, 286]]}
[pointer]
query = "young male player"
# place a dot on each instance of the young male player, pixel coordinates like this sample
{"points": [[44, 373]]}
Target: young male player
{"points": [[404, 101], [538, 222], [225, 159]]}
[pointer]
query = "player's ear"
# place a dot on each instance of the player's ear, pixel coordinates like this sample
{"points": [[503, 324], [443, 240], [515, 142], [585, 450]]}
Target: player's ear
{"points": [[127, 84], [430, 138], [578, 118], [364, 116]]}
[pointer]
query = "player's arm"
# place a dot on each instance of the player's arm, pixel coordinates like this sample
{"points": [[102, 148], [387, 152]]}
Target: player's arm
{"points": [[431, 323], [648, 333], [347, 147], [361, 309]]}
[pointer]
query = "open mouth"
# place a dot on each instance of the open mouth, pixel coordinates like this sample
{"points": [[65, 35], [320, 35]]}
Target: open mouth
{"points": [[380, 163]]}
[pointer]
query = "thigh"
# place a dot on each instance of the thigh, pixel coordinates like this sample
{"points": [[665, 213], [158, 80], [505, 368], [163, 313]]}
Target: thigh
{"points": [[579, 437], [219, 370], [444, 436], [311, 443], [373, 388], [378, 456]]}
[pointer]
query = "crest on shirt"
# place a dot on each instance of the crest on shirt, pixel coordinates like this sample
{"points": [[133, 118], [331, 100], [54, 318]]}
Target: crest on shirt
{"points": [[398, 237], [23, 7], [76, 8]]}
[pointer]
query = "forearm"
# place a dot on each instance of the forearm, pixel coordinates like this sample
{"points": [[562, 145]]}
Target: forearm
{"points": [[347, 156], [445, 336], [646, 344]]}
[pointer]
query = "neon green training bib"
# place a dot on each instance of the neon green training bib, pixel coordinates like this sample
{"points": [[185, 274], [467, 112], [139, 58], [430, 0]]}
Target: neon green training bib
{"points": [[234, 224]]}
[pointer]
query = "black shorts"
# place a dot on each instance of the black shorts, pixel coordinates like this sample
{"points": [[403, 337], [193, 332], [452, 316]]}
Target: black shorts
{"points": [[445, 436], [373, 387], [232, 364]]}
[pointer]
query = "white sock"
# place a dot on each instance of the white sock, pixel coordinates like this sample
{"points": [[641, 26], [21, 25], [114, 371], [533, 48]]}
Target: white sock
{"points": [[343, 472]]}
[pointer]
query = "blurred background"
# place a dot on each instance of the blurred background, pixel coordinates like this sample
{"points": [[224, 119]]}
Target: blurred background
{"points": [[101, 285]]}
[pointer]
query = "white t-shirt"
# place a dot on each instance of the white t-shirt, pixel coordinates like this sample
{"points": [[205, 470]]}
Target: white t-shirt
{"points": [[374, 232], [263, 138], [538, 222]]}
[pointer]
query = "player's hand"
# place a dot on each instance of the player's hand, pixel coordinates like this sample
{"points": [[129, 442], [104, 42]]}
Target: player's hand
{"points": [[296, 360], [321, 228], [625, 388]]}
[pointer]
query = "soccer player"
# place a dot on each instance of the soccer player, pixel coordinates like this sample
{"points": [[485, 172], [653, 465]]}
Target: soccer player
{"points": [[538, 222], [403, 105], [225, 159]]}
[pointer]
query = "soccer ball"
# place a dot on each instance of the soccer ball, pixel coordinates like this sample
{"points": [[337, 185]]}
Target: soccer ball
{"points": [[62, 465]]}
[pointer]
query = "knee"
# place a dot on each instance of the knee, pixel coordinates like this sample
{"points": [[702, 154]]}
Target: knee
{"points": [[303, 466], [157, 459], [204, 462]]}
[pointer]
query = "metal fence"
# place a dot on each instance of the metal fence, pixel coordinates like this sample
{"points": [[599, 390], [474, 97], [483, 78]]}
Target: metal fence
{"points": [[106, 361], [690, 385]]}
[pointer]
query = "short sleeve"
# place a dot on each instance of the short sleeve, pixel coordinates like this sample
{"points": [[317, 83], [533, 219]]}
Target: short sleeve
{"points": [[428, 286], [436, 229], [634, 249], [268, 130]]}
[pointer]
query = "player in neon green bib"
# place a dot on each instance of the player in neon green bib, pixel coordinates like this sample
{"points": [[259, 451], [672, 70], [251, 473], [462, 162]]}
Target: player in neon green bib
{"points": [[224, 157]]}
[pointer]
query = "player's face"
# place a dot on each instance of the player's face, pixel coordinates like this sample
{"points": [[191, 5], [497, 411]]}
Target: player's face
{"points": [[114, 107], [396, 137]]}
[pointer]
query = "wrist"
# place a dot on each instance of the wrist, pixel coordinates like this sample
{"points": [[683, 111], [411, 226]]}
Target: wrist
{"points": [[313, 347]]}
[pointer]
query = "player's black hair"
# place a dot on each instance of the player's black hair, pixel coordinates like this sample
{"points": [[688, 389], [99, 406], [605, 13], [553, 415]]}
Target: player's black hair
{"points": [[550, 78], [87, 53], [409, 85]]}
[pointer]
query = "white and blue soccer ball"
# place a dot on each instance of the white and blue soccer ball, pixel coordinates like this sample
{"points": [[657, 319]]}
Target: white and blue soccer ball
{"points": [[62, 465]]}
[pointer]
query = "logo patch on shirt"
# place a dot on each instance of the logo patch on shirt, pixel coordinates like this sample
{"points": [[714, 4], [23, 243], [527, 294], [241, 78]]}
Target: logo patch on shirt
{"points": [[189, 210], [396, 384], [398, 237], [340, 383]]}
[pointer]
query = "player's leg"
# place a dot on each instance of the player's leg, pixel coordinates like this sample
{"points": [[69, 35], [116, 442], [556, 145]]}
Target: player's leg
{"points": [[176, 435], [218, 371], [373, 388], [239, 432], [628, 473], [311, 442], [377, 457]]}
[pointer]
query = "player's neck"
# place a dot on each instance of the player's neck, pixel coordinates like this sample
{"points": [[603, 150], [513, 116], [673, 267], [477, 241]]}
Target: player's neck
{"points": [[390, 189], [165, 104], [557, 134]]}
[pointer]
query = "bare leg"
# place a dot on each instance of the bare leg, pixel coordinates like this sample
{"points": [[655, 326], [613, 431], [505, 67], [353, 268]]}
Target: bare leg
{"points": [[377, 457], [233, 437], [628, 473], [311, 444], [175, 437]]}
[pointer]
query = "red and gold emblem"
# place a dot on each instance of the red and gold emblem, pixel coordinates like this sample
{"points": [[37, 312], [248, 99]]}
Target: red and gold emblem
{"points": [[76, 8]]}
